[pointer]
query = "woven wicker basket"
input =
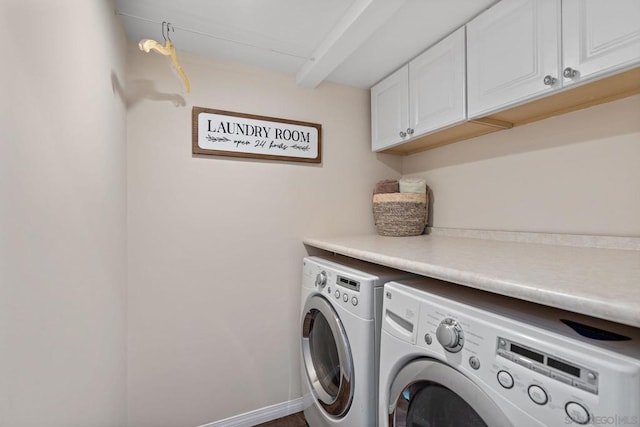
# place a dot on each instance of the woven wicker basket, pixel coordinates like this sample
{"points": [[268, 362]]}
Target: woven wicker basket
{"points": [[400, 214]]}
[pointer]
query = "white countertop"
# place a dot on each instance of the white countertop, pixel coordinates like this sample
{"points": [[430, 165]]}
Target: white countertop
{"points": [[584, 274]]}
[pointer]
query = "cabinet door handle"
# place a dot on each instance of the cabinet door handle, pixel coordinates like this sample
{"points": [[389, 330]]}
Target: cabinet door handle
{"points": [[570, 73], [549, 81], [409, 131], [402, 134]]}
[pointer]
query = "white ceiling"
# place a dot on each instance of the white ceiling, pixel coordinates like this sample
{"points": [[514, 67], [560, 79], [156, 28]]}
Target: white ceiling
{"points": [[352, 42]]}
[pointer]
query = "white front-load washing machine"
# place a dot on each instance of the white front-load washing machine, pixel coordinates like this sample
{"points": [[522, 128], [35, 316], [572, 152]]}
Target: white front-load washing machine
{"points": [[340, 327], [455, 356]]}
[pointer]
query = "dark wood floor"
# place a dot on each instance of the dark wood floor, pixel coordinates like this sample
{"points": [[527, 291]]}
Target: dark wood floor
{"points": [[295, 420]]}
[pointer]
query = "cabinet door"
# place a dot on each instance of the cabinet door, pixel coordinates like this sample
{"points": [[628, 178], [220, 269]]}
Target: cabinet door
{"points": [[511, 48], [599, 37], [437, 86], [390, 110]]}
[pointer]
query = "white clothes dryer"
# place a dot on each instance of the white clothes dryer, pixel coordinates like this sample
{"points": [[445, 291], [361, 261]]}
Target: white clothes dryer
{"points": [[340, 332], [456, 356]]}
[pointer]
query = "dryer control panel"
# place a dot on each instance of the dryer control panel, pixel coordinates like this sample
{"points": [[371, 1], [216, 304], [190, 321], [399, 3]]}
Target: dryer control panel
{"points": [[348, 285]]}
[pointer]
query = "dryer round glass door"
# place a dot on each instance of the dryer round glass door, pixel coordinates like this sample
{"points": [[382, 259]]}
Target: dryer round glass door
{"points": [[429, 393], [327, 357]]}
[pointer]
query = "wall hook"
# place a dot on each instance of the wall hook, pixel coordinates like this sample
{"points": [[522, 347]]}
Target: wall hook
{"points": [[166, 29]]}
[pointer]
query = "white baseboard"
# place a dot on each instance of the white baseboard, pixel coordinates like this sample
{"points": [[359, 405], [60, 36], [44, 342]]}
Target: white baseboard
{"points": [[269, 413]]}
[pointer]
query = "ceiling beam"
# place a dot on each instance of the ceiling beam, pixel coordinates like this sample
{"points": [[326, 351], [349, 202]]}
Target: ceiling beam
{"points": [[362, 19]]}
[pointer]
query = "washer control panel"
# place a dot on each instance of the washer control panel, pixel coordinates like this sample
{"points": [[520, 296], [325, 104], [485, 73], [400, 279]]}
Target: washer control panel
{"points": [[450, 336], [538, 370], [565, 371]]}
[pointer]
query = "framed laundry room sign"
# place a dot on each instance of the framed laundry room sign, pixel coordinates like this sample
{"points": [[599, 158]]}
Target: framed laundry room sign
{"points": [[226, 133]]}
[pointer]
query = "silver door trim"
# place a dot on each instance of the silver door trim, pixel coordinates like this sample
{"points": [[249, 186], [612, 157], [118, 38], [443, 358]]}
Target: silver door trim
{"points": [[339, 405], [437, 372]]}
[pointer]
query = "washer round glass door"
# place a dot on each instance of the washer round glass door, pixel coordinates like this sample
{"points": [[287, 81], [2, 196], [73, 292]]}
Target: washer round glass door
{"points": [[327, 357], [429, 393]]}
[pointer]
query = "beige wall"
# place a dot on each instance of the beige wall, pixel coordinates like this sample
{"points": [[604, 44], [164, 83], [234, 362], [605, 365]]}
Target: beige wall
{"points": [[62, 215], [576, 173], [215, 243]]}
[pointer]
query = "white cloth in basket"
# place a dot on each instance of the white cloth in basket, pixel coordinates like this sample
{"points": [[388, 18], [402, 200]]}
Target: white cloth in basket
{"points": [[413, 185]]}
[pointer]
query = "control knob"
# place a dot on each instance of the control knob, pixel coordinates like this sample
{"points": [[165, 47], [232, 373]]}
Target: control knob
{"points": [[450, 335], [321, 279]]}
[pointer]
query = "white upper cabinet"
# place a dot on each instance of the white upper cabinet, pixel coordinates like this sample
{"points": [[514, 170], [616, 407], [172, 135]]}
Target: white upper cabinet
{"points": [[513, 52], [599, 36], [390, 110], [425, 95], [521, 49], [563, 54], [437, 85]]}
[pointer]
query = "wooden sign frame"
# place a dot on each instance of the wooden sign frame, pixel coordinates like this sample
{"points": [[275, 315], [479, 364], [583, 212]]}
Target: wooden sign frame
{"points": [[227, 133]]}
